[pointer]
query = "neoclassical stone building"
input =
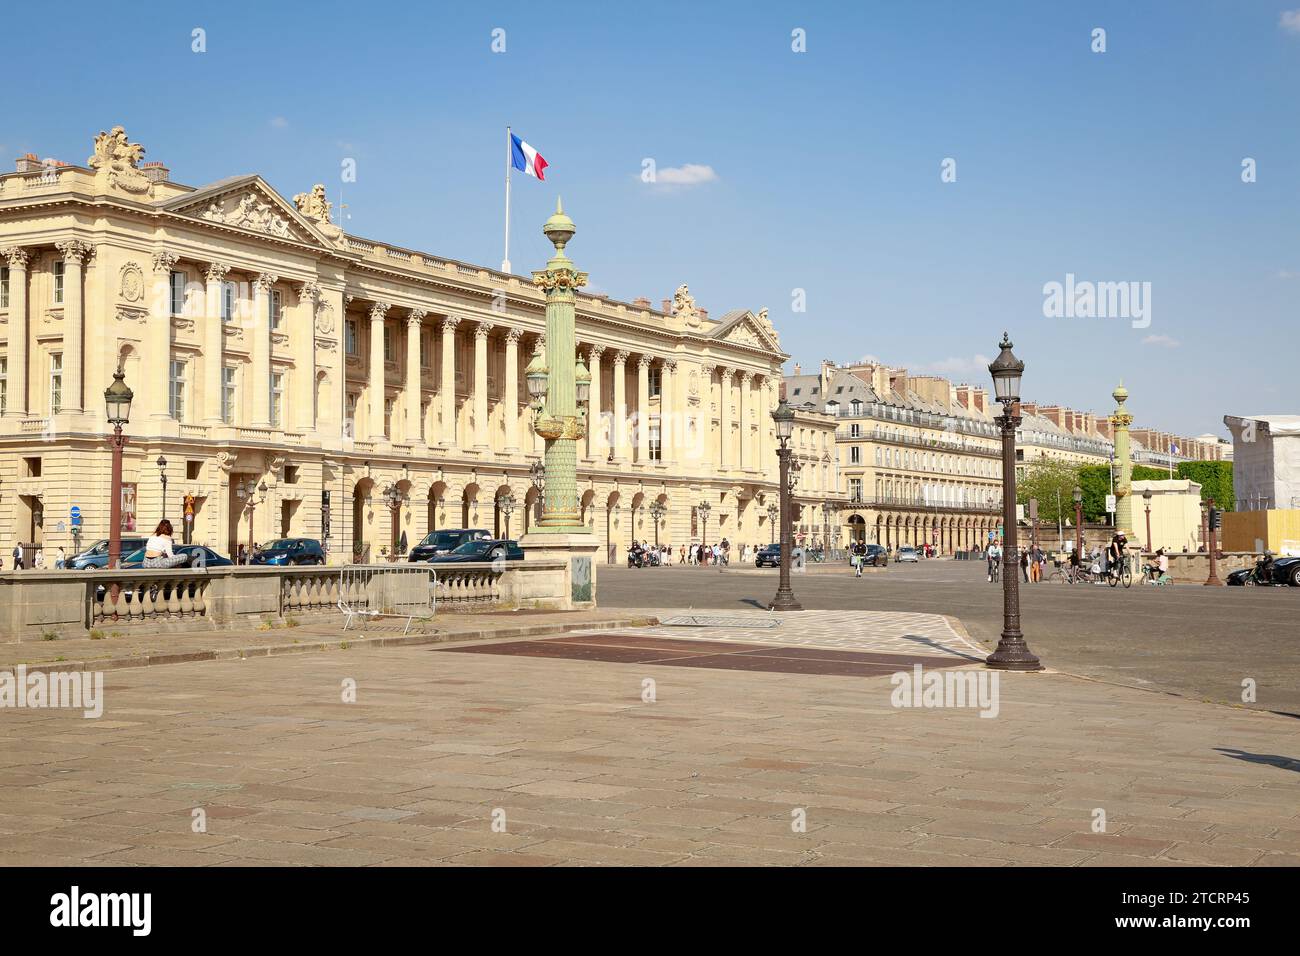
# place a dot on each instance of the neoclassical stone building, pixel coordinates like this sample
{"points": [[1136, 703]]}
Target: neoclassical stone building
{"points": [[319, 384]]}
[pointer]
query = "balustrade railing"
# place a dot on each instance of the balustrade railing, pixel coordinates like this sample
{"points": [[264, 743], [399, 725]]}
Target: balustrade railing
{"points": [[136, 597], [468, 586]]}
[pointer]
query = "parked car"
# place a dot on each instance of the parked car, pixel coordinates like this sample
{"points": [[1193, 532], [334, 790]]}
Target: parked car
{"points": [[876, 556], [769, 556], [446, 541], [287, 551], [481, 549], [210, 558], [907, 554], [1284, 571], [96, 556]]}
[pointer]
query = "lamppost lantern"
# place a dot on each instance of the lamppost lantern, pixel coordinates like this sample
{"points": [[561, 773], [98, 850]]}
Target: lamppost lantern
{"points": [[581, 382], [1012, 652], [783, 417], [1007, 371], [536, 376], [117, 398]]}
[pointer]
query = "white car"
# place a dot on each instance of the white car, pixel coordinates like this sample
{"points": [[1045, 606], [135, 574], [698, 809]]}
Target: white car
{"points": [[907, 554]]}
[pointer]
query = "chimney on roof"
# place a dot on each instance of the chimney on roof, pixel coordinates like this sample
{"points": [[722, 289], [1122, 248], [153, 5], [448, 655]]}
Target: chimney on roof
{"points": [[667, 306], [156, 172], [641, 302], [1028, 408], [27, 163], [798, 369]]}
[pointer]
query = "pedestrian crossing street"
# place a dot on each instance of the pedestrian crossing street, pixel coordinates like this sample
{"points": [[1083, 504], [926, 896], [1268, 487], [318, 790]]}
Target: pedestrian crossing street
{"points": [[888, 632]]}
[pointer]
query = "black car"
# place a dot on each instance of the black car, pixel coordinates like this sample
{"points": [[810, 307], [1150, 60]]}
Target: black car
{"points": [[287, 551], [1284, 571], [96, 556], [768, 556], [482, 549], [446, 541], [196, 556], [876, 556]]}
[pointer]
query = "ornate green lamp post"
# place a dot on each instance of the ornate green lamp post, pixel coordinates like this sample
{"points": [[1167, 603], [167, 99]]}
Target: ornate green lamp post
{"points": [[558, 384], [1122, 419]]}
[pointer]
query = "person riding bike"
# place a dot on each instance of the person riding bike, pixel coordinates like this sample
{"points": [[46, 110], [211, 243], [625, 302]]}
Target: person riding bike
{"points": [[1115, 555], [994, 560]]}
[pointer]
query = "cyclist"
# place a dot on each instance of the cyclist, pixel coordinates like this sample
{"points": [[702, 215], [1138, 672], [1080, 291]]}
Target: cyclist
{"points": [[994, 560], [1115, 555]]}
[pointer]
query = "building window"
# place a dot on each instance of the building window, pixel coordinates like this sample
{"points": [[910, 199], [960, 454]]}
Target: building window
{"points": [[176, 394], [388, 418], [227, 302], [58, 282], [275, 305], [656, 452], [56, 382], [655, 383], [855, 489], [4, 383], [178, 293], [351, 337], [855, 455], [389, 354], [855, 430], [277, 397], [426, 344], [350, 416], [4, 287], [228, 394]]}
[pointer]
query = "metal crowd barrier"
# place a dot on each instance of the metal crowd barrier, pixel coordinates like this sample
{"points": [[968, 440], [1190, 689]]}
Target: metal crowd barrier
{"points": [[386, 590]]}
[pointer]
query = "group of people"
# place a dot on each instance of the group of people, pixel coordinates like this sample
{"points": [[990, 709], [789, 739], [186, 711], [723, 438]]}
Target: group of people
{"points": [[718, 553], [35, 558]]}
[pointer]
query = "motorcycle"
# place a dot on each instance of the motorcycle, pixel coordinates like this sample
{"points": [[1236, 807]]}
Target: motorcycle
{"points": [[636, 559]]}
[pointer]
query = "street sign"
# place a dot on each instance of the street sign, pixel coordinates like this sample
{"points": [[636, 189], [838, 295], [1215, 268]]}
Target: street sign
{"points": [[76, 521], [76, 511], [60, 527], [990, 535], [1020, 512], [1110, 504], [1033, 509]]}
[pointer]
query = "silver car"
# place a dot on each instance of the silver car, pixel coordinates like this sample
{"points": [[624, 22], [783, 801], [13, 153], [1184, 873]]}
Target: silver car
{"points": [[907, 554]]}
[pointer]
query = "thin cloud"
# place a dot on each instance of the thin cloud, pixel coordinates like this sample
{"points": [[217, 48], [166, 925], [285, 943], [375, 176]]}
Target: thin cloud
{"points": [[1163, 341], [954, 365], [688, 174], [279, 122], [1289, 22], [1288, 274]]}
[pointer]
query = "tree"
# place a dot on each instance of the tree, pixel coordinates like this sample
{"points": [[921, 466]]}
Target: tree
{"points": [[1215, 479], [1052, 482]]}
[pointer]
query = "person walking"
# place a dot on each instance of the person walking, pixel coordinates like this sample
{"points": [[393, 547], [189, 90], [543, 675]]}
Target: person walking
{"points": [[1024, 564], [60, 558], [158, 551], [18, 557], [681, 559]]}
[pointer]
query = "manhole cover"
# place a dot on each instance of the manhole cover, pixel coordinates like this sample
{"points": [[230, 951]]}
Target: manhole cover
{"points": [[694, 620]]}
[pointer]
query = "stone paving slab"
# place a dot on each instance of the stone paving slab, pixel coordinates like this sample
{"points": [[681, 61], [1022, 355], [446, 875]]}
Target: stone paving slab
{"points": [[135, 646], [484, 759]]}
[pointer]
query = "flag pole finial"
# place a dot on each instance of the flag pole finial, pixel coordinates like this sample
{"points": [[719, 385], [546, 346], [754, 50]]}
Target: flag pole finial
{"points": [[559, 206]]}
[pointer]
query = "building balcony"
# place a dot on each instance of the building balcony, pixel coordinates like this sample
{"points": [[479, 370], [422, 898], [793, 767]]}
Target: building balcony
{"points": [[918, 503]]}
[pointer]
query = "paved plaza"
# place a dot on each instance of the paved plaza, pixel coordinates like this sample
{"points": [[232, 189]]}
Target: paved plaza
{"points": [[750, 747]]}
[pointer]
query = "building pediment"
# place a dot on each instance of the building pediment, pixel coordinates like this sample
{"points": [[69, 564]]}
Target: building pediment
{"points": [[745, 328], [247, 202]]}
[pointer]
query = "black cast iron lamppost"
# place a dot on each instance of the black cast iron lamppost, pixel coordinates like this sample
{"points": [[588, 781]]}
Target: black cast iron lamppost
{"points": [[783, 415], [506, 504], [657, 512], [704, 508], [1078, 522], [1013, 653], [117, 399], [254, 496], [1146, 498], [162, 476], [773, 510]]}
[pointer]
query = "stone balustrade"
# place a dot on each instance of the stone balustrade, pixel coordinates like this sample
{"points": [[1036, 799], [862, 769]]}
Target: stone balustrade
{"points": [[36, 605]]}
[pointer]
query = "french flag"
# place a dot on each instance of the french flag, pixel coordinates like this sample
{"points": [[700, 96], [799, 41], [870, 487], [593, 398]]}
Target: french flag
{"points": [[525, 158]]}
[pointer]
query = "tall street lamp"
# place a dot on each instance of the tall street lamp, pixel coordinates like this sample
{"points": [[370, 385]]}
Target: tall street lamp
{"points": [[1013, 653], [772, 511], [394, 498], [1146, 499], [783, 415], [506, 505], [117, 399], [1078, 521], [704, 508], [252, 497], [162, 476], [657, 511]]}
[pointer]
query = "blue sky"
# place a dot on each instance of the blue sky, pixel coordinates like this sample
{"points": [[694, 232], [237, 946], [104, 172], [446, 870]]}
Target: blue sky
{"points": [[1115, 166]]}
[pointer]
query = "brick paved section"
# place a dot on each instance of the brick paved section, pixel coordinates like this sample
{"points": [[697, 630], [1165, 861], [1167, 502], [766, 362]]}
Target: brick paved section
{"points": [[138, 647], [584, 772]]}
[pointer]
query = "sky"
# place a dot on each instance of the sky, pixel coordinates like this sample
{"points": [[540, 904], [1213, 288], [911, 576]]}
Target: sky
{"points": [[905, 186]]}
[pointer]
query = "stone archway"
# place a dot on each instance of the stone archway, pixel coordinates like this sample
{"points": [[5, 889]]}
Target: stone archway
{"points": [[469, 510], [361, 513], [857, 528]]}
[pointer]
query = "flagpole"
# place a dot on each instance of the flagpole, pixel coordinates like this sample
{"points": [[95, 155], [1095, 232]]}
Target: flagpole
{"points": [[505, 263]]}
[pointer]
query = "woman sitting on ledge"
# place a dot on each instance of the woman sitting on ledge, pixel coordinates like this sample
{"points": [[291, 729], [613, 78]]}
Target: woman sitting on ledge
{"points": [[158, 549]]}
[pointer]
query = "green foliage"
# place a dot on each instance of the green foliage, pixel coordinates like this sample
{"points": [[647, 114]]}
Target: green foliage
{"points": [[1051, 482], [1095, 481], [1215, 479]]}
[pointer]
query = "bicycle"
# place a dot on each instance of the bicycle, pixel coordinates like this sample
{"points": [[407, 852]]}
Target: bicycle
{"points": [[993, 571], [1122, 574]]}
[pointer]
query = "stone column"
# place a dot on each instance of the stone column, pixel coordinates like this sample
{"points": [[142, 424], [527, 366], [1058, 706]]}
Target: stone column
{"points": [[261, 349], [414, 407], [214, 344], [481, 332], [746, 413], [377, 313], [618, 427], [447, 386], [303, 340], [761, 416], [595, 420], [74, 252], [511, 396], [643, 409], [724, 417], [158, 339], [668, 430], [16, 259]]}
